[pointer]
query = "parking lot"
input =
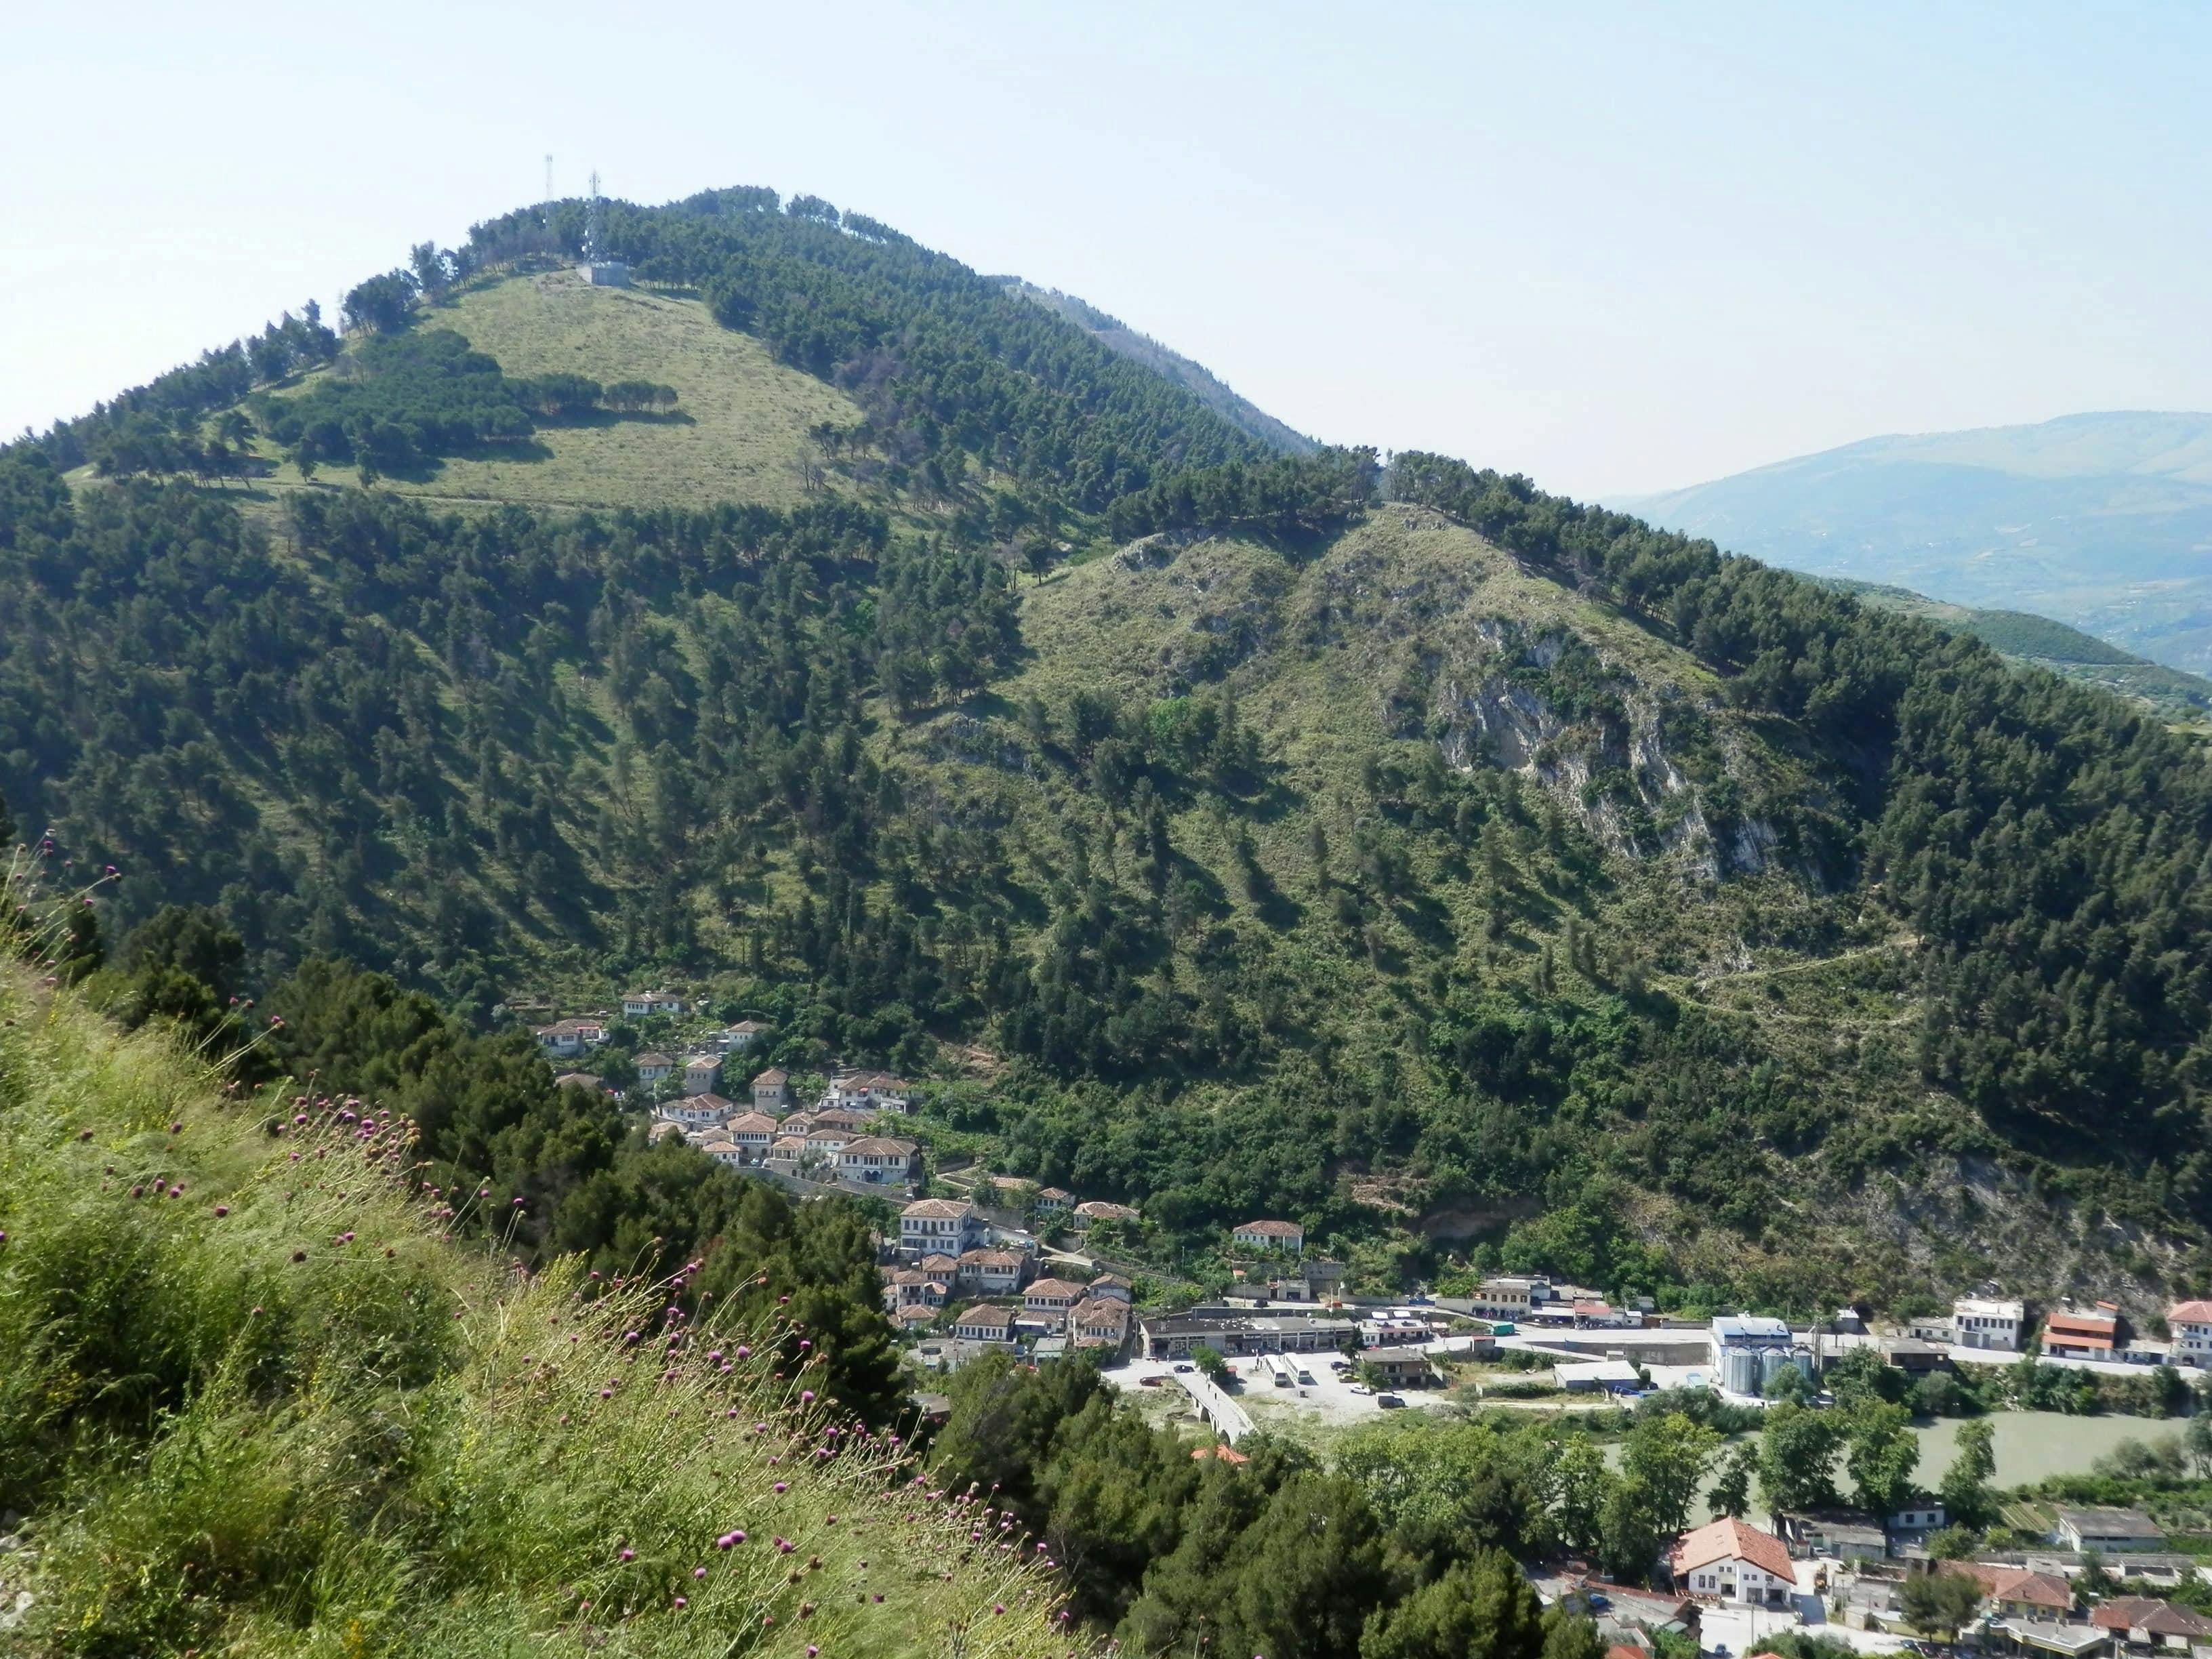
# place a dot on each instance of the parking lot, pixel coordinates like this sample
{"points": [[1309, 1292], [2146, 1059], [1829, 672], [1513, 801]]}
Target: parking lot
{"points": [[1333, 1397]]}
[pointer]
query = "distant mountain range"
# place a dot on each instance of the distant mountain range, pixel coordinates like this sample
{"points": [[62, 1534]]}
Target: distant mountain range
{"points": [[2103, 521]]}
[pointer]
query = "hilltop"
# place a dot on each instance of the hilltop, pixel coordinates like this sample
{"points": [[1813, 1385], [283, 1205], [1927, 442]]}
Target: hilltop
{"points": [[2098, 520], [1470, 874]]}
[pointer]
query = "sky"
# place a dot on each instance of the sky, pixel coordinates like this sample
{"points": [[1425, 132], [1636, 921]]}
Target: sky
{"points": [[1616, 248]]}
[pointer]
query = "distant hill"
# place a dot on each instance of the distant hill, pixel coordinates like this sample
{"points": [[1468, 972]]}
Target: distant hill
{"points": [[2103, 521], [2038, 641], [1195, 378]]}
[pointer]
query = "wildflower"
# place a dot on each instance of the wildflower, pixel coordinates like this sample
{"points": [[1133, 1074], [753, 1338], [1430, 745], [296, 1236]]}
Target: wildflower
{"points": [[681, 1602], [698, 1572], [806, 1395], [630, 1555], [782, 1486], [222, 1210], [744, 1352], [302, 1255]]}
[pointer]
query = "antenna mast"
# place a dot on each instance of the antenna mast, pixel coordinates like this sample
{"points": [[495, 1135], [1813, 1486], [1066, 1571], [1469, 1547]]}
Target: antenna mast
{"points": [[548, 178], [598, 269]]}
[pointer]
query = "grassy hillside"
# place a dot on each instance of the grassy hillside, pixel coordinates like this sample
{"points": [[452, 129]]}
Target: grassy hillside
{"points": [[739, 434], [256, 1402]]}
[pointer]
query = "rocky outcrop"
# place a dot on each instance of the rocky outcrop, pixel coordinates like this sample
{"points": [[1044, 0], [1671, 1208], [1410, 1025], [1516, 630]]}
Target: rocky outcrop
{"points": [[1608, 757]]}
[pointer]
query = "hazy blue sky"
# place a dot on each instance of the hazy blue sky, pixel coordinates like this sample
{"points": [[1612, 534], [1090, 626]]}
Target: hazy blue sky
{"points": [[1619, 249]]}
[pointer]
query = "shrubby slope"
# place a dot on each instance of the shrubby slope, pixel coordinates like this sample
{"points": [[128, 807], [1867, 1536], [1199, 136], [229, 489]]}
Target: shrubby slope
{"points": [[257, 1401]]}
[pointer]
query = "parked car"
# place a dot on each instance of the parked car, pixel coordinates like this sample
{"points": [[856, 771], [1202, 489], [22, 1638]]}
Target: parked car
{"points": [[1361, 1388], [1185, 1365], [1387, 1402]]}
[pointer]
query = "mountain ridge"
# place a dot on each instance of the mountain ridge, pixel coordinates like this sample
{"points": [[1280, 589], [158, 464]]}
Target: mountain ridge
{"points": [[1195, 377], [2101, 521], [1295, 834]]}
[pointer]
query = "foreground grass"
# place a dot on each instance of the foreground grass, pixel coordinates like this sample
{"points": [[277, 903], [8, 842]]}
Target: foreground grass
{"points": [[256, 1401]]}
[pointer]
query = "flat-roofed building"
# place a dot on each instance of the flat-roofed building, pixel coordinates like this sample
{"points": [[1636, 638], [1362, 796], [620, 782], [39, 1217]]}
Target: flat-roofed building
{"points": [[1979, 1323]]}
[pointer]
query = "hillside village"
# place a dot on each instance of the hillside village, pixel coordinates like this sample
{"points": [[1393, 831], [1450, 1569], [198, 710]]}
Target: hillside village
{"points": [[973, 1265]]}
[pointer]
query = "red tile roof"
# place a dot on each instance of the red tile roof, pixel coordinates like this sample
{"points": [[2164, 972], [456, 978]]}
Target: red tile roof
{"points": [[1736, 1540]]}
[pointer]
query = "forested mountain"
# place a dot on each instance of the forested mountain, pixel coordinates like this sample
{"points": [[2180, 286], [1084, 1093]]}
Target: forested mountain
{"points": [[1443, 864], [2100, 520], [1196, 378]]}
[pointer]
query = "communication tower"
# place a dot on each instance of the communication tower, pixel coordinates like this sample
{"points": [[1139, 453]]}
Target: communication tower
{"points": [[598, 272]]}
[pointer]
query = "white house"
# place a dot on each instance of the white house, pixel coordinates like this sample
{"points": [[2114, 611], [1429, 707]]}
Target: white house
{"points": [[879, 1160], [695, 1111], [1734, 1561], [772, 1090], [652, 1065], [702, 1074], [736, 1039], [840, 1117], [944, 1226], [1052, 1200], [753, 1132], [1110, 1287], [1978, 1323], [1269, 1236], [1098, 1321], [646, 1005], [1051, 1295], [984, 1323], [869, 1091], [568, 1036], [2189, 1324], [723, 1150], [993, 1273], [911, 1287]]}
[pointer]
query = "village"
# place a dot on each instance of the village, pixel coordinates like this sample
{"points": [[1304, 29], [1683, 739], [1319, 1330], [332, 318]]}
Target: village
{"points": [[985, 1264]]}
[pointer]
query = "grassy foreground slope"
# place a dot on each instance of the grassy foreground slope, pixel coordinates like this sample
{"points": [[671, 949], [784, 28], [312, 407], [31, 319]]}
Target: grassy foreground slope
{"points": [[254, 1402]]}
